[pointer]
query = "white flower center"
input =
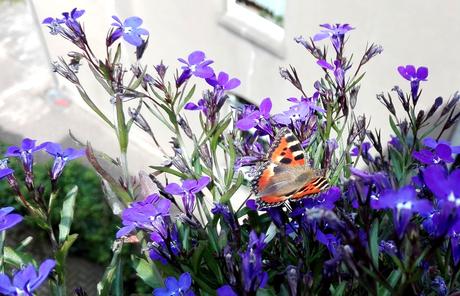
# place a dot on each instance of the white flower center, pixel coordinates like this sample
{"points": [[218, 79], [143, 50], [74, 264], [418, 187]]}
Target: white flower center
{"points": [[453, 199], [407, 205]]}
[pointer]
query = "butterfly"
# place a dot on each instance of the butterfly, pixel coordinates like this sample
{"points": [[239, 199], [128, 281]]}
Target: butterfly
{"points": [[285, 175]]}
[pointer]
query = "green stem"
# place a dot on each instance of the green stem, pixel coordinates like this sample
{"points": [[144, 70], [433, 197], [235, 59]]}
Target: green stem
{"points": [[2, 245]]}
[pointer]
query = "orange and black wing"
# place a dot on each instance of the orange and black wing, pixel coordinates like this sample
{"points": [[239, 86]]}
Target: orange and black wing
{"points": [[285, 152], [311, 189]]}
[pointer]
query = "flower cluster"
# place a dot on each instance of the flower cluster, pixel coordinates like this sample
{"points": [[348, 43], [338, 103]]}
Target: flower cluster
{"points": [[335, 210]]}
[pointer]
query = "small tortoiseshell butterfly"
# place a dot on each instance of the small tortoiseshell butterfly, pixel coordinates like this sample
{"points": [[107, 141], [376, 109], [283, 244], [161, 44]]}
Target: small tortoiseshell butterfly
{"points": [[286, 175]]}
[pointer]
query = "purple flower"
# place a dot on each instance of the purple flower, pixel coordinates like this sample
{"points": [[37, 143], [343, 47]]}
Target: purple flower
{"points": [[255, 117], [25, 152], [182, 286], [439, 151], [223, 82], [404, 203], [201, 105], [8, 220], [254, 277], [335, 32], [388, 247], [70, 19], [329, 240], [26, 280], [5, 172], [296, 113], [61, 157], [414, 76], [395, 143], [198, 65], [339, 72], [146, 215], [365, 147], [187, 191], [129, 29], [226, 290], [224, 211], [152, 215], [439, 285], [251, 204]]}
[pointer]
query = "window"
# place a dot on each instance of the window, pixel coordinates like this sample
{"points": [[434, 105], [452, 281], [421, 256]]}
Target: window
{"points": [[259, 21]]}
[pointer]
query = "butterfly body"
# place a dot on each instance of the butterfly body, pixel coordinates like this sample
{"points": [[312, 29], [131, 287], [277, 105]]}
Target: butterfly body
{"points": [[286, 175]]}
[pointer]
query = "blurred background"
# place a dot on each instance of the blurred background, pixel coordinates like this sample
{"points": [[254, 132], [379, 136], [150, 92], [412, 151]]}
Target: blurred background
{"points": [[249, 39]]}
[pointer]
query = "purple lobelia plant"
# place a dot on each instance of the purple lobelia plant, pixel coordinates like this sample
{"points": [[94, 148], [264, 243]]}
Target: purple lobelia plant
{"points": [[380, 218]]}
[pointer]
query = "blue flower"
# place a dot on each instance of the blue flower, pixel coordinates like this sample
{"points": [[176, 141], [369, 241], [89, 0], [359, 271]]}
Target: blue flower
{"points": [[175, 287], [365, 147], [197, 65], [439, 151], [226, 290], [61, 157], [335, 32], [254, 277], [223, 82], [339, 72], [8, 220], [129, 29], [187, 191], [152, 215], [252, 117], [70, 19], [25, 152], [414, 76], [404, 203], [26, 280], [439, 285]]}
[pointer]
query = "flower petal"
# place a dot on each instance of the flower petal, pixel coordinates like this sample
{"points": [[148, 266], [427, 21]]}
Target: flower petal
{"points": [[232, 83], [265, 107], [133, 39], [132, 22], [174, 188], [422, 73], [196, 57]]}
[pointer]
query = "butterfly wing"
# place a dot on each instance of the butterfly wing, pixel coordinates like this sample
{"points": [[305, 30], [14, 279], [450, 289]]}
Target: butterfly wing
{"points": [[282, 174], [313, 187]]}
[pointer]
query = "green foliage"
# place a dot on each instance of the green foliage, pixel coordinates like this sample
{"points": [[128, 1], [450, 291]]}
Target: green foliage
{"points": [[93, 219]]}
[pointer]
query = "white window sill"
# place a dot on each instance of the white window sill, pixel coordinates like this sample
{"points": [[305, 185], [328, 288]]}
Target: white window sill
{"points": [[254, 28]]}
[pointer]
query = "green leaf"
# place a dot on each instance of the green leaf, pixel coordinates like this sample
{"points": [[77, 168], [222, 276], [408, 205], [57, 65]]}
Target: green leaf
{"points": [[93, 106], [67, 211], [139, 80], [103, 287], [395, 128], [227, 195], [61, 255], [355, 82], [169, 171], [198, 255], [392, 279], [117, 56], [266, 292], [216, 135], [16, 258], [186, 99], [101, 80], [114, 185], [121, 126], [374, 243], [148, 273], [339, 290]]}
